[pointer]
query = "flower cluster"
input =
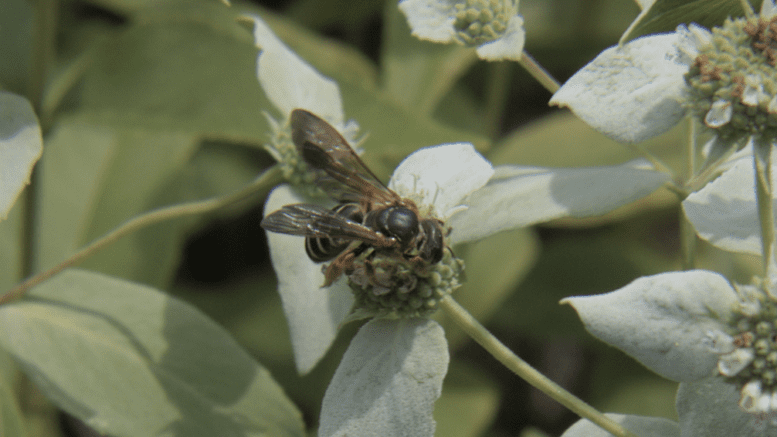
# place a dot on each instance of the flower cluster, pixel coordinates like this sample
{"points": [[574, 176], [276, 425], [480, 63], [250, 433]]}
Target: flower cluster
{"points": [[719, 340]]}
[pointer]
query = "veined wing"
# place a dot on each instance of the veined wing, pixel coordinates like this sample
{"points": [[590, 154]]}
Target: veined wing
{"points": [[317, 221], [339, 170]]}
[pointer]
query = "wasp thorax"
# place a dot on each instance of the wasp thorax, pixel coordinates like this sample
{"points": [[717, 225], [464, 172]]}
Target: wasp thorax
{"points": [[385, 285], [733, 80], [482, 21], [398, 222]]}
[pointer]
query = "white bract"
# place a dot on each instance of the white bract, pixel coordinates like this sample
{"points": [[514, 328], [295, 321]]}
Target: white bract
{"points": [[724, 78], [289, 82], [493, 26], [21, 144], [696, 328]]}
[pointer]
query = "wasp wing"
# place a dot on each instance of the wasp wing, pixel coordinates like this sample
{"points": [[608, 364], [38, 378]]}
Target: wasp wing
{"points": [[337, 168], [317, 221]]}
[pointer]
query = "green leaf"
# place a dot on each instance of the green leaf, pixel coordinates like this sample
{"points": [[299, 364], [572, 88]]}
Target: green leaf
{"points": [[16, 34], [11, 247], [417, 73], [666, 15], [11, 418], [131, 361], [96, 177], [197, 77], [469, 402], [392, 133]]}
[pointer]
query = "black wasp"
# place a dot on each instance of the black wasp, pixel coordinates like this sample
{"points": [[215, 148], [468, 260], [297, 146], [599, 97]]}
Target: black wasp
{"points": [[369, 214]]}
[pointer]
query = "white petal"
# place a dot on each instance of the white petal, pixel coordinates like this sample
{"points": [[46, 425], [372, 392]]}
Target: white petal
{"points": [[290, 82], [630, 93], [663, 321], [719, 114], [312, 312], [710, 408], [768, 9], [693, 39], [733, 363], [753, 399], [724, 211], [641, 426], [21, 144], [509, 46], [441, 176], [521, 196], [388, 381], [430, 19]]}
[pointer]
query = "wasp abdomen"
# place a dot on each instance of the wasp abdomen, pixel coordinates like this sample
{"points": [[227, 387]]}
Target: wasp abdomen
{"points": [[321, 249]]}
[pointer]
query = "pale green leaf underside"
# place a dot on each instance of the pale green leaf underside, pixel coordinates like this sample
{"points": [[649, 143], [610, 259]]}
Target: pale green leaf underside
{"points": [[130, 361]]}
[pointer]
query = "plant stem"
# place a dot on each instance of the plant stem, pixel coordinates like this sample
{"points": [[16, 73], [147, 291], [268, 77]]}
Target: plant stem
{"points": [[762, 161], [521, 368], [269, 178], [687, 231], [539, 73], [497, 90], [44, 36]]}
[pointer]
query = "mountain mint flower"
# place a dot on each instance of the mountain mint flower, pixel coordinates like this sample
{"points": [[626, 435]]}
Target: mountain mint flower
{"points": [[290, 83], [718, 340], [493, 26], [404, 355], [725, 78]]}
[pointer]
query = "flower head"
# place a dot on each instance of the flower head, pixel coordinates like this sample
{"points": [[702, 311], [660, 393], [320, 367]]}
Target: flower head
{"points": [[402, 354], [493, 26], [725, 77], [696, 328]]}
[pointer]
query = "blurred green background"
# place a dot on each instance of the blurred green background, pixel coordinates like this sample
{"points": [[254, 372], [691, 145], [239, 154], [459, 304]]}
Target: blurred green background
{"points": [[154, 102]]}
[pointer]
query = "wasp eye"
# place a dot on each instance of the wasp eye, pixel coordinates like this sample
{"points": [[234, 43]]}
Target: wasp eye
{"points": [[400, 223]]}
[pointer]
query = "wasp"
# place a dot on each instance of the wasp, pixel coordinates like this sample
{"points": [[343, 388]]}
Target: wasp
{"points": [[369, 219]]}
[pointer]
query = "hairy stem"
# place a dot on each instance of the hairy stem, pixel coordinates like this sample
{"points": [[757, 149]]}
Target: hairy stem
{"points": [[521, 368], [269, 178]]}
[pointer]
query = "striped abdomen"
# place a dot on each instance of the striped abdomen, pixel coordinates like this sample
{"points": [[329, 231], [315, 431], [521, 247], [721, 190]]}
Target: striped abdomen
{"points": [[322, 249]]}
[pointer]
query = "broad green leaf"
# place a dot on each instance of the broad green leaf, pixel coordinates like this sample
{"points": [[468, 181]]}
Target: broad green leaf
{"points": [[416, 73], [186, 76], [16, 35], [666, 15], [11, 419], [392, 133], [469, 402], [21, 144], [131, 361], [95, 178], [11, 247]]}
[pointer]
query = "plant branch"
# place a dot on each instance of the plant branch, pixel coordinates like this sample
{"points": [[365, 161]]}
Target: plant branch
{"points": [[269, 178], [521, 368]]}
